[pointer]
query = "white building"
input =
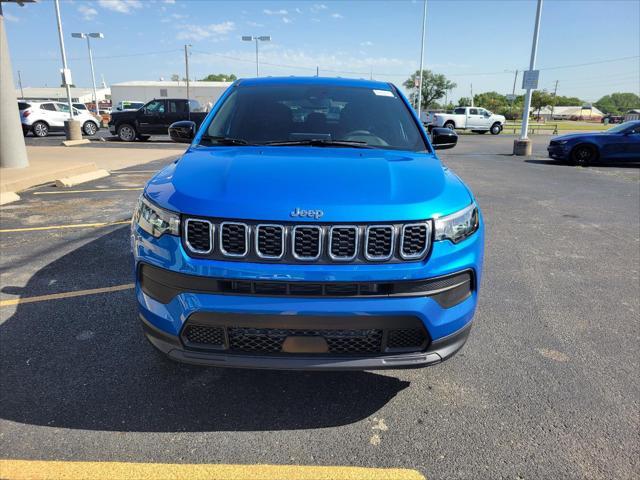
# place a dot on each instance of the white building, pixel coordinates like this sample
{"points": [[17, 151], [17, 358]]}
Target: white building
{"points": [[204, 92], [78, 94]]}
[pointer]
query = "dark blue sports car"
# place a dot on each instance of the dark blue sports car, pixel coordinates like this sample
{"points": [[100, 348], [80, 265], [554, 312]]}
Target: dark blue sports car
{"points": [[621, 143]]}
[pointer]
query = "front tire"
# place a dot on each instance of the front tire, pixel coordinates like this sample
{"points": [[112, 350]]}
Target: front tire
{"points": [[583, 155], [89, 128], [126, 133], [40, 129], [496, 128], [450, 125]]}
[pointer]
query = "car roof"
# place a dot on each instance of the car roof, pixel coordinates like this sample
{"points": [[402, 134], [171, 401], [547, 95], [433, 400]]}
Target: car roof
{"points": [[326, 81]]}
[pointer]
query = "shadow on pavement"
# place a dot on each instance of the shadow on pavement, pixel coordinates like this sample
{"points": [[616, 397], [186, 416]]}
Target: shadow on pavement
{"points": [[83, 363]]}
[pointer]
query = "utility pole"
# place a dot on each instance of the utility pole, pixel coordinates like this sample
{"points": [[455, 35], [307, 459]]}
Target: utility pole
{"points": [[317, 70], [262, 38], [186, 67], [424, 27], [522, 146], [515, 79], [553, 105], [472, 96], [13, 153], [20, 84], [88, 36]]}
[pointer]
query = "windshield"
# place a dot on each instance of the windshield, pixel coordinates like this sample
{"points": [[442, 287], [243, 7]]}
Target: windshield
{"points": [[317, 115]]}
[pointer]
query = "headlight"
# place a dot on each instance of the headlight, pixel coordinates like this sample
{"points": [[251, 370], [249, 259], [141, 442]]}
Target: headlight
{"points": [[155, 220], [457, 226]]}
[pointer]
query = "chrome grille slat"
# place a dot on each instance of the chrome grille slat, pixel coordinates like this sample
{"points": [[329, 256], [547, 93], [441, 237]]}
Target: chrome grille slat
{"points": [[379, 242], [270, 241], [198, 235], [415, 240], [234, 239], [343, 242], [306, 242]]}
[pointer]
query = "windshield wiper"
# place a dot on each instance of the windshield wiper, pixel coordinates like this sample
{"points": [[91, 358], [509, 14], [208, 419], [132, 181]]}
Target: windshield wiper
{"points": [[320, 143], [225, 140]]}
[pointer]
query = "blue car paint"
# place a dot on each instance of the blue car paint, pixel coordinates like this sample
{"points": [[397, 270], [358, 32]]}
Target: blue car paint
{"points": [[609, 146], [349, 185]]}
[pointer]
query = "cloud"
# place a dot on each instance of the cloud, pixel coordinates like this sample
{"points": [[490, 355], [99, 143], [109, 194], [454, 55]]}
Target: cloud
{"points": [[337, 15], [214, 31], [169, 1], [120, 6], [255, 24], [316, 7], [287, 20], [88, 13], [297, 10], [266, 11], [366, 44]]}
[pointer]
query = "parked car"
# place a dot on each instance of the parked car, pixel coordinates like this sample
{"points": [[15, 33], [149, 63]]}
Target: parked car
{"points": [[293, 241], [621, 142], [127, 105], [40, 118], [475, 119], [154, 118]]}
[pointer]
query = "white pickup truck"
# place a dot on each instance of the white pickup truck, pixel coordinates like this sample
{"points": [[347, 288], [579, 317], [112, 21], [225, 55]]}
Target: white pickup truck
{"points": [[475, 119]]}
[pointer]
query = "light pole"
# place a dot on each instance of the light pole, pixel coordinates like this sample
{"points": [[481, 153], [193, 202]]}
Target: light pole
{"points": [[89, 36], [262, 38], [522, 145], [424, 27]]}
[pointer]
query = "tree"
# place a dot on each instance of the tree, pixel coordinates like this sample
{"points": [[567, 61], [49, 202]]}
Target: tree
{"points": [[540, 98], [434, 87], [464, 102], [220, 77], [618, 103], [175, 77], [491, 101]]}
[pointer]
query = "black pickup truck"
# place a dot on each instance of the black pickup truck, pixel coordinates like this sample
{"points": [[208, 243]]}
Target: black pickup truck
{"points": [[154, 118]]}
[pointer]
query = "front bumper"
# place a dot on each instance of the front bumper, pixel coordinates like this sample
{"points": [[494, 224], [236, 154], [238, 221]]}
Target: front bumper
{"points": [[166, 312], [438, 351], [558, 152]]}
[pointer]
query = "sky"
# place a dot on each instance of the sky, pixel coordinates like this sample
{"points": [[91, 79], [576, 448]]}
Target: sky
{"points": [[590, 47]]}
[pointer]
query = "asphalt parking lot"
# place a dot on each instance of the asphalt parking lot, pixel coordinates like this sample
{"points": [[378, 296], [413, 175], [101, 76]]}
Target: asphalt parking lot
{"points": [[546, 387]]}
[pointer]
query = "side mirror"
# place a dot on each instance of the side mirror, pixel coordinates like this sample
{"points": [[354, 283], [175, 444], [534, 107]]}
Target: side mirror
{"points": [[443, 138], [183, 131]]}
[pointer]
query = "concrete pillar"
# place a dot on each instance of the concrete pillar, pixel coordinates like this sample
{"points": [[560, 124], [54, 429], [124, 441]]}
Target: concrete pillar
{"points": [[13, 153], [522, 147], [73, 130]]}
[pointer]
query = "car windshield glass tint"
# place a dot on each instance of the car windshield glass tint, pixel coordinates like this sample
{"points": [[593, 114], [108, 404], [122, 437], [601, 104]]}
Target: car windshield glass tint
{"points": [[286, 113]]}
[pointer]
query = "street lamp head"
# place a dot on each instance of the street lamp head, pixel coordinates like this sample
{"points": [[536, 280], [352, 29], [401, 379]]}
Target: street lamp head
{"points": [[265, 38], [247, 38], [78, 35], [96, 35]]}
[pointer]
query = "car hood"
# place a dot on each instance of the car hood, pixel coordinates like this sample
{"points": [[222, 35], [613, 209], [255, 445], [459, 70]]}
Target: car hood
{"points": [[574, 136], [268, 183]]}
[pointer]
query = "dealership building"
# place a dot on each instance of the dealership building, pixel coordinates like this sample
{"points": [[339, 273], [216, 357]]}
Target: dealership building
{"points": [[142, 91]]}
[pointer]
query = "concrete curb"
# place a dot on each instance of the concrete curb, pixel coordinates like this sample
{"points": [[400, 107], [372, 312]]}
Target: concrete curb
{"points": [[8, 197], [72, 143], [82, 178]]}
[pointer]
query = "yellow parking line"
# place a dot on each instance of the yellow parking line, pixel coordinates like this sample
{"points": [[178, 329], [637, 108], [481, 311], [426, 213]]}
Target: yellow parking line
{"points": [[56, 227], [58, 296], [43, 470], [93, 190]]}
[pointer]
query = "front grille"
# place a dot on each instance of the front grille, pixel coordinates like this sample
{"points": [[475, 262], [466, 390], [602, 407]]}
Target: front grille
{"points": [[270, 241], [379, 242], [406, 338], [199, 235], [204, 335], [234, 239], [343, 242], [415, 240], [270, 340], [307, 242]]}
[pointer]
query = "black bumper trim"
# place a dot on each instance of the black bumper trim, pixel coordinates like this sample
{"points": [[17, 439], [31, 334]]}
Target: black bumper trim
{"points": [[438, 351], [163, 285]]}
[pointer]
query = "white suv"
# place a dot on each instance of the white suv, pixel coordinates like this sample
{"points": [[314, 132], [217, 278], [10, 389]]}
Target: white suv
{"points": [[44, 117]]}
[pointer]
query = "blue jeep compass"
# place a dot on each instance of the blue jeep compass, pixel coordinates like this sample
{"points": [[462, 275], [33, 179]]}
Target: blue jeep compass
{"points": [[309, 225]]}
